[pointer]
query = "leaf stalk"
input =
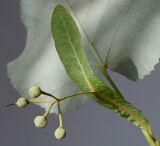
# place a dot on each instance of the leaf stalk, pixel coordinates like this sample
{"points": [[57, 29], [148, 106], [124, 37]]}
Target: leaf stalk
{"points": [[150, 139], [109, 79]]}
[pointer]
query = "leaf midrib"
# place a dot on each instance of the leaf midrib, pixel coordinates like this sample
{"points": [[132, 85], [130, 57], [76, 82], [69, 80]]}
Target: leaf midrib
{"points": [[134, 116], [73, 48]]}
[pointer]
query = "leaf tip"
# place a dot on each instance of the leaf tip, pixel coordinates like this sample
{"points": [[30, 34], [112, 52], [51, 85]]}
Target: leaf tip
{"points": [[59, 8]]}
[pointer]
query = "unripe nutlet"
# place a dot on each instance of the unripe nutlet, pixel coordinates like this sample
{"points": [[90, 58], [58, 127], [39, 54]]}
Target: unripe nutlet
{"points": [[40, 121], [60, 133], [22, 102], [35, 91]]}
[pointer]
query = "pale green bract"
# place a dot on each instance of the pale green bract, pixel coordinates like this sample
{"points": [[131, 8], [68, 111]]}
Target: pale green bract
{"points": [[68, 44], [124, 33]]}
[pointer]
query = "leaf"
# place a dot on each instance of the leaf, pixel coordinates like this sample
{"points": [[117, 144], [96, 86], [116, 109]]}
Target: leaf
{"points": [[131, 25], [39, 63], [125, 32], [68, 44]]}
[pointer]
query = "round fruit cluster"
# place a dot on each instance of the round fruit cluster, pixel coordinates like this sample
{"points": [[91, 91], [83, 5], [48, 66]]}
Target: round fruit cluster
{"points": [[42, 120]]}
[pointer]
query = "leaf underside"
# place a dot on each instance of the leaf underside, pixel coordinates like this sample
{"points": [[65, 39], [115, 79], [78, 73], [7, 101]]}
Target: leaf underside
{"points": [[39, 63], [130, 28], [125, 34]]}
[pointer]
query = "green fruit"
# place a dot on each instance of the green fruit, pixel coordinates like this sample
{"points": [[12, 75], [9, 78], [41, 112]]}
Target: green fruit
{"points": [[60, 133], [35, 91], [40, 121], [22, 102]]}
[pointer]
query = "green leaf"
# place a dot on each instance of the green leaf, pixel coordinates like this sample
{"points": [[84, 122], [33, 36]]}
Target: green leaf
{"points": [[68, 44]]}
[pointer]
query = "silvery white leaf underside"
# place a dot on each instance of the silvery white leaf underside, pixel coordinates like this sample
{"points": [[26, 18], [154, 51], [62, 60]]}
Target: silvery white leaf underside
{"points": [[125, 34]]}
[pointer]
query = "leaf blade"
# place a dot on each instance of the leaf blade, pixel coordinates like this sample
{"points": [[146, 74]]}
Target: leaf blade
{"points": [[39, 63], [135, 49]]}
